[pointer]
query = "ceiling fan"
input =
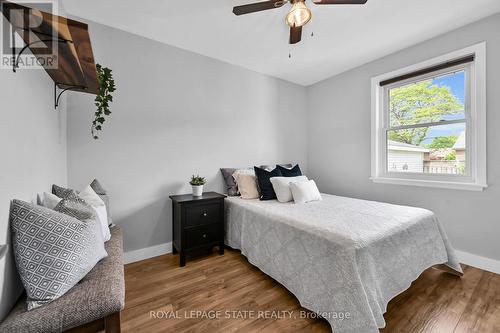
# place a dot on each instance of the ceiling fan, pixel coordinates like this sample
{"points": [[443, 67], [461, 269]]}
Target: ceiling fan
{"points": [[298, 16]]}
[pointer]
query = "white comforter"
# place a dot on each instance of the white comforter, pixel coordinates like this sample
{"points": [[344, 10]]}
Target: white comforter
{"points": [[343, 258]]}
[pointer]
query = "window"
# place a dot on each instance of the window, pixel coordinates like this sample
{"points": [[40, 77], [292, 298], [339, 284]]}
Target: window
{"points": [[429, 123]]}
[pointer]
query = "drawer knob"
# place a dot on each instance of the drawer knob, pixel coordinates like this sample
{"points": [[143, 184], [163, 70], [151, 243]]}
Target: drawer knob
{"points": [[204, 235], [205, 214]]}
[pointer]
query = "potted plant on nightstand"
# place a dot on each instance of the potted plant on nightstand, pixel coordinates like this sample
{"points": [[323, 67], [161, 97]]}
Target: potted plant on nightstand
{"points": [[197, 183]]}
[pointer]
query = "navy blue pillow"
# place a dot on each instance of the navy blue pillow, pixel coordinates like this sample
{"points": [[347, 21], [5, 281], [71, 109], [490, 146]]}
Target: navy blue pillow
{"points": [[265, 186], [293, 172]]}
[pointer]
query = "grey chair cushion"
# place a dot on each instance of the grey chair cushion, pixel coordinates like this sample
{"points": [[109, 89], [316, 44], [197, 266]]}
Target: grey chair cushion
{"points": [[53, 251], [103, 194], [99, 294]]}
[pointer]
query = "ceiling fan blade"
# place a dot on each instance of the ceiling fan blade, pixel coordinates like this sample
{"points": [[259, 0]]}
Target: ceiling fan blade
{"points": [[257, 7], [295, 35], [340, 2]]}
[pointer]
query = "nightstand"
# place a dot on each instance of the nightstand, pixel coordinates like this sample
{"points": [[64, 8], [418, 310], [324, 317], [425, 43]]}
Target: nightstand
{"points": [[197, 223]]}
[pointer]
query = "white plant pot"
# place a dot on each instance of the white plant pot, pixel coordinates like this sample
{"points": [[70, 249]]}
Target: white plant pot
{"points": [[197, 190]]}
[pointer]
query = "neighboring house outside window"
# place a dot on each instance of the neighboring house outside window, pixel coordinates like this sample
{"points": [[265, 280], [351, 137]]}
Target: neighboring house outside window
{"points": [[402, 157], [459, 148], [429, 123]]}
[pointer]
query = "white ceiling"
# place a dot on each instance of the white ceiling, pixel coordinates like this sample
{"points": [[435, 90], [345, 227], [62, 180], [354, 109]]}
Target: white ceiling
{"points": [[344, 36]]}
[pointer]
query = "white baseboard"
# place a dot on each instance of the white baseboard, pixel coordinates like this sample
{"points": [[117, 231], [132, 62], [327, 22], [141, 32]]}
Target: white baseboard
{"points": [[146, 253], [466, 258], [484, 263]]}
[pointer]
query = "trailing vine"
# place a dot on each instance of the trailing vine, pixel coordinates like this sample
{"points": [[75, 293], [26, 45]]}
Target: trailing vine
{"points": [[103, 99]]}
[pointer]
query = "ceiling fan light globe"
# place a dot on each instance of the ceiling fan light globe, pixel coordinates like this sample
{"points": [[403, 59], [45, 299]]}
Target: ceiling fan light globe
{"points": [[299, 15]]}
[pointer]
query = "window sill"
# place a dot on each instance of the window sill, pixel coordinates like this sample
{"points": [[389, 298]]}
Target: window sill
{"points": [[430, 183]]}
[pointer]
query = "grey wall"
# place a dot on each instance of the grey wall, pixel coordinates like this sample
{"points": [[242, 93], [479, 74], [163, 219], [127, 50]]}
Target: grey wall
{"points": [[339, 142], [176, 113], [33, 146]]}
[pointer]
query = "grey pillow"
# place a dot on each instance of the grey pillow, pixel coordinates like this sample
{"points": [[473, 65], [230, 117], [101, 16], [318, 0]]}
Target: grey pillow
{"points": [[53, 251], [101, 192], [63, 192], [231, 186], [77, 207]]}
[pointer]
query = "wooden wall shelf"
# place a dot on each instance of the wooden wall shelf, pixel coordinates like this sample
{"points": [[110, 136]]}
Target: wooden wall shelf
{"points": [[68, 40]]}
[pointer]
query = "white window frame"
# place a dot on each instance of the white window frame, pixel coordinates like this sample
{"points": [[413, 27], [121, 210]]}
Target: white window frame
{"points": [[475, 113]]}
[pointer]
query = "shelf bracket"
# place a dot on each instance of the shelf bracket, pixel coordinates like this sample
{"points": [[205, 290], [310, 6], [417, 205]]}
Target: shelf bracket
{"points": [[58, 94], [16, 58]]}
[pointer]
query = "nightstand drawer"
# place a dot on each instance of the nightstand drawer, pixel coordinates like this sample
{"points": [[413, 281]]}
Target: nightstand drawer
{"points": [[203, 214], [201, 235]]}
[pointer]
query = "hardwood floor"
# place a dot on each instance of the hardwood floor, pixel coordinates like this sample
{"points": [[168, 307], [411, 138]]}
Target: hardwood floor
{"points": [[158, 289]]}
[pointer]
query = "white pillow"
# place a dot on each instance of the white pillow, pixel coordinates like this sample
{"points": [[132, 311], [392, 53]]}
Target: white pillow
{"points": [[303, 192], [89, 195], [50, 200], [247, 185], [281, 186]]}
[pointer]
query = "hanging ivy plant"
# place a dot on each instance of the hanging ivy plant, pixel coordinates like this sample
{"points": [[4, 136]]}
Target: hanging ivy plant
{"points": [[103, 99]]}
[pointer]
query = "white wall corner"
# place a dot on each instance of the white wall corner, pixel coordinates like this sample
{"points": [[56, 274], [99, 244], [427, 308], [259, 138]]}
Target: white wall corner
{"points": [[375, 104], [146, 253]]}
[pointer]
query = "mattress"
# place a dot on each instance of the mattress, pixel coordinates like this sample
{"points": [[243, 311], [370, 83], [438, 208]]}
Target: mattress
{"points": [[343, 258]]}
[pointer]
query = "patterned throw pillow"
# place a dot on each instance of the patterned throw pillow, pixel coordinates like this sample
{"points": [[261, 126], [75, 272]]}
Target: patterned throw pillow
{"points": [[77, 207], [53, 251], [62, 192]]}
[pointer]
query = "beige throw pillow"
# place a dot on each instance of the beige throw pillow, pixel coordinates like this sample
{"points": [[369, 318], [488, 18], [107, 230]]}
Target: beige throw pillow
{"points": [[247, 185]]}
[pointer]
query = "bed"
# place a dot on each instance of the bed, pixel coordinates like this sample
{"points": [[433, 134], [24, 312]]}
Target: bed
{"points": [[343, 258]]}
